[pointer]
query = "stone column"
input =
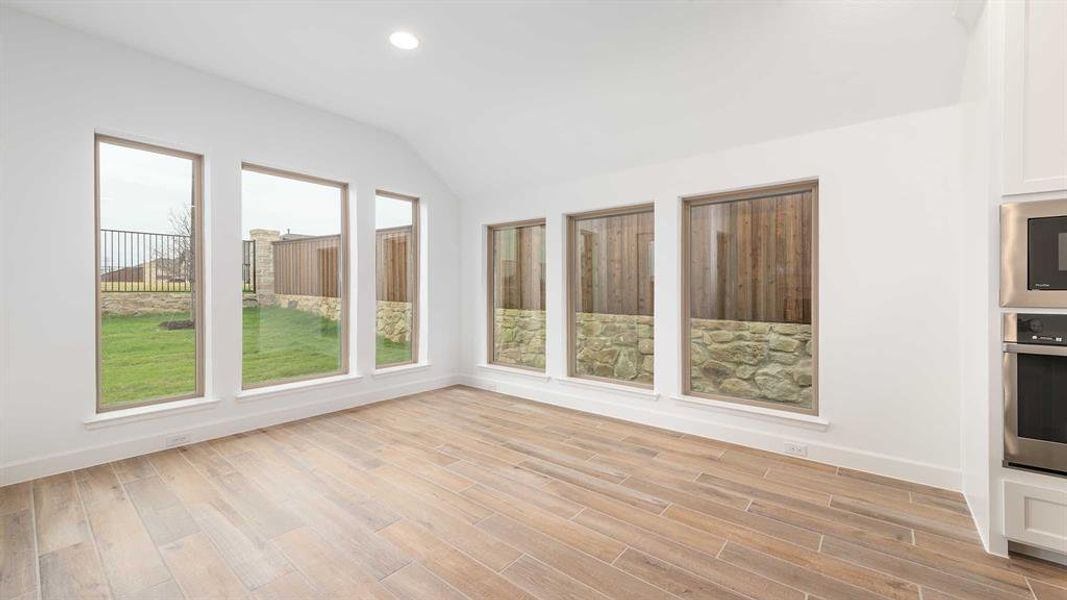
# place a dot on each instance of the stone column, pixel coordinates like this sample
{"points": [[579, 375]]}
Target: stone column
{"points": [[264, 266]]}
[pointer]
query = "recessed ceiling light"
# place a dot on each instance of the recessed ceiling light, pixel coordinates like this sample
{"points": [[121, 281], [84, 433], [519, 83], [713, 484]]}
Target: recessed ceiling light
{"points": [[404, 40]]}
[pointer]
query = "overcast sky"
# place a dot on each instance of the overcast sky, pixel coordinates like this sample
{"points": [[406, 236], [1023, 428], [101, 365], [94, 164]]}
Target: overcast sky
{"points": [[139, 190]]}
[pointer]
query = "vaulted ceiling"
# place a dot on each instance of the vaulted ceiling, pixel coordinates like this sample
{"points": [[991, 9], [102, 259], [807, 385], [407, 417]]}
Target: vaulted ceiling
{"points": [[511, 94]]}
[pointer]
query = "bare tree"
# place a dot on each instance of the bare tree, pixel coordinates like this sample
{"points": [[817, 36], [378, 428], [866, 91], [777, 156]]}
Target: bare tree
{"points": [[179, 252]]}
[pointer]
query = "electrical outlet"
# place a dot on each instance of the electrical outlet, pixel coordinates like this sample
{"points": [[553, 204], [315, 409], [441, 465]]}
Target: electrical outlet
{"points": [[489, 386], [796, 449], [174, 441]]}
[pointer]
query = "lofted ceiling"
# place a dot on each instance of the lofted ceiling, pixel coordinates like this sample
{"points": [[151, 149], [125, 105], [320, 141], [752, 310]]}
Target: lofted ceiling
{"points": [[521, 93]]}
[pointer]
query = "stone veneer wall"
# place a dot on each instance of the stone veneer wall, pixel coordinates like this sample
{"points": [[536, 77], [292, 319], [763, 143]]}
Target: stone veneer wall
{"points": [[752, 360], [322, 306], [394, 321], [519, 337], [610, 346], [142, 303], [615, 346]]}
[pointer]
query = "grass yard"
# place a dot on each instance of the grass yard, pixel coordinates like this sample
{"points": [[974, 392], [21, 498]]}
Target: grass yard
{"points": [[142, 361], [285, 343], [391, 353]]}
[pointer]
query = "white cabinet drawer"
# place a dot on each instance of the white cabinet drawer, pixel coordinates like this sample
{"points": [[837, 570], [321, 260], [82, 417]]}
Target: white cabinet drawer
{"points": [[1036, 516]]}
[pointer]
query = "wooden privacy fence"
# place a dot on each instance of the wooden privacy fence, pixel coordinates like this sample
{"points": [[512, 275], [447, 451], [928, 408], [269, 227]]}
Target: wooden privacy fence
{"points": [[751, 260], [311, 266], [394, 264], [308, 266], [615, 262], [519, 267]]}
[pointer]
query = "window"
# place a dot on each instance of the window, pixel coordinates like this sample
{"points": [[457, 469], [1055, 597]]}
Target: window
{"points": [[516, 303], [149, 298], [611, 274], [749, 285], [397, 251], [294, 277]]}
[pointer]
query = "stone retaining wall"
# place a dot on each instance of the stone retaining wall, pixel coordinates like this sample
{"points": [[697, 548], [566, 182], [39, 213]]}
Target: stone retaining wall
{"points": [[519, 337], [327, 307], [394, 321], [614, 346], [142, 303], [770, 362], [611, 346]]}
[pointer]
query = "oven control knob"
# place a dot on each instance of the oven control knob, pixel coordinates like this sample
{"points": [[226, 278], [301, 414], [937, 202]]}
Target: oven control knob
{"points": [[1035, 325]]}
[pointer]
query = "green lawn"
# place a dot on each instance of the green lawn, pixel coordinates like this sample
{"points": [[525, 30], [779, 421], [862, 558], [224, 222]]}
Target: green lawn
{"points": [[391, 353], [284, 343], [141, 361]]}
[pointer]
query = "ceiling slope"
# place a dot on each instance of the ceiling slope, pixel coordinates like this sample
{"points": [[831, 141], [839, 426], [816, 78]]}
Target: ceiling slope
{"points": [[515, 94]]}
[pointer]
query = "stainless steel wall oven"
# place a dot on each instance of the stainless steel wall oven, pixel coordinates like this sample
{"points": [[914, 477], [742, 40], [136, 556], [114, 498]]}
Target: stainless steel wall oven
{"points": [[1035, 391]]}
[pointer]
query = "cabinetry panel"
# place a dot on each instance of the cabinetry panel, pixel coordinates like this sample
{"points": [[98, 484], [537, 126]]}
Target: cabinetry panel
{"points": [[1036, 516], [1035, 97]]}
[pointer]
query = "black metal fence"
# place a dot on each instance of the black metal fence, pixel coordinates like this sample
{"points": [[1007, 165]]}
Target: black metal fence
{"points": [[248, 265], [141, 261]]}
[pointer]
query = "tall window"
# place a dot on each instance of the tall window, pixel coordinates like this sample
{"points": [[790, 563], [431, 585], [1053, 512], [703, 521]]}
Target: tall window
{"points": [[295, 250], [397, 243], [149, 300], [611, 277], [517, 295], [750, 290]]}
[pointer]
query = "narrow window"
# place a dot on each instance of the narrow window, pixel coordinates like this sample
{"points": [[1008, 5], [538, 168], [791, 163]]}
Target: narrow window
{"points": [[750, 287], [611, 289], [516, 283], [397, 250], [295, 263], [149, 298]]}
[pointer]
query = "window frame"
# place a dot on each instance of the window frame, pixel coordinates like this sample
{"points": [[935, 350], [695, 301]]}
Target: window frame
{"points": [[344, 274], [739, 195], [573, 287], [416, 291], [197, 292], [490, 283]]}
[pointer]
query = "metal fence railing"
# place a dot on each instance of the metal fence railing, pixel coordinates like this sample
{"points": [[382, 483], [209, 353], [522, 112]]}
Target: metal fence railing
{"points": [[248, 265], [142, 261]]}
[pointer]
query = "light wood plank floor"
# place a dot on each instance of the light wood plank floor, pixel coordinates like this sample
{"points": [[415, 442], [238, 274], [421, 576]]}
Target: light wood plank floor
{"points": [[462, 493]]}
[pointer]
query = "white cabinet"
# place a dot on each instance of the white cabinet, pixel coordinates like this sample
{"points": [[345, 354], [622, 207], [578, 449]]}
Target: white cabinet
{"points": [[1035, 96], [1036, 516]]}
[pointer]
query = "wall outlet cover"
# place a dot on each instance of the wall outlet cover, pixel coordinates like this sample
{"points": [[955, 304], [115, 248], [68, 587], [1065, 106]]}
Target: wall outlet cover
{"points": [[796, 449]]}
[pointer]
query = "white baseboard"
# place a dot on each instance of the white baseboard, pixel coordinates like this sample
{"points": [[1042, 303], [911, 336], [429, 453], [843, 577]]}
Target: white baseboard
{"points": [[649, 414], [1047, 555], [983, 534], [644, 413], [43, 466]]}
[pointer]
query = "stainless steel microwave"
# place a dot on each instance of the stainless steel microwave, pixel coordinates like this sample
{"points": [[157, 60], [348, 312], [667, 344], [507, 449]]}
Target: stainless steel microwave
{"points": [[1033, 254]]}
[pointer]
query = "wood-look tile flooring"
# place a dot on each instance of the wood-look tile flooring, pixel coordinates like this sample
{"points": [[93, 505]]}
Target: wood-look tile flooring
{"points": [[462, 493]]}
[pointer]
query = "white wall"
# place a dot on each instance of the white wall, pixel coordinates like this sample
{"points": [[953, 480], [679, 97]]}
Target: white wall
{"points": [[890, 289], [892, 332], [58, 88], [980, 333]]}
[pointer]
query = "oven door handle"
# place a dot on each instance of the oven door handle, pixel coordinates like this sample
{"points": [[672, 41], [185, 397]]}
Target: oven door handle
{"points": [[1012, 348]]}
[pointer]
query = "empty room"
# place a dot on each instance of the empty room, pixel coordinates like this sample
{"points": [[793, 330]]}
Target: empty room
{"points": [[542, 299]]}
